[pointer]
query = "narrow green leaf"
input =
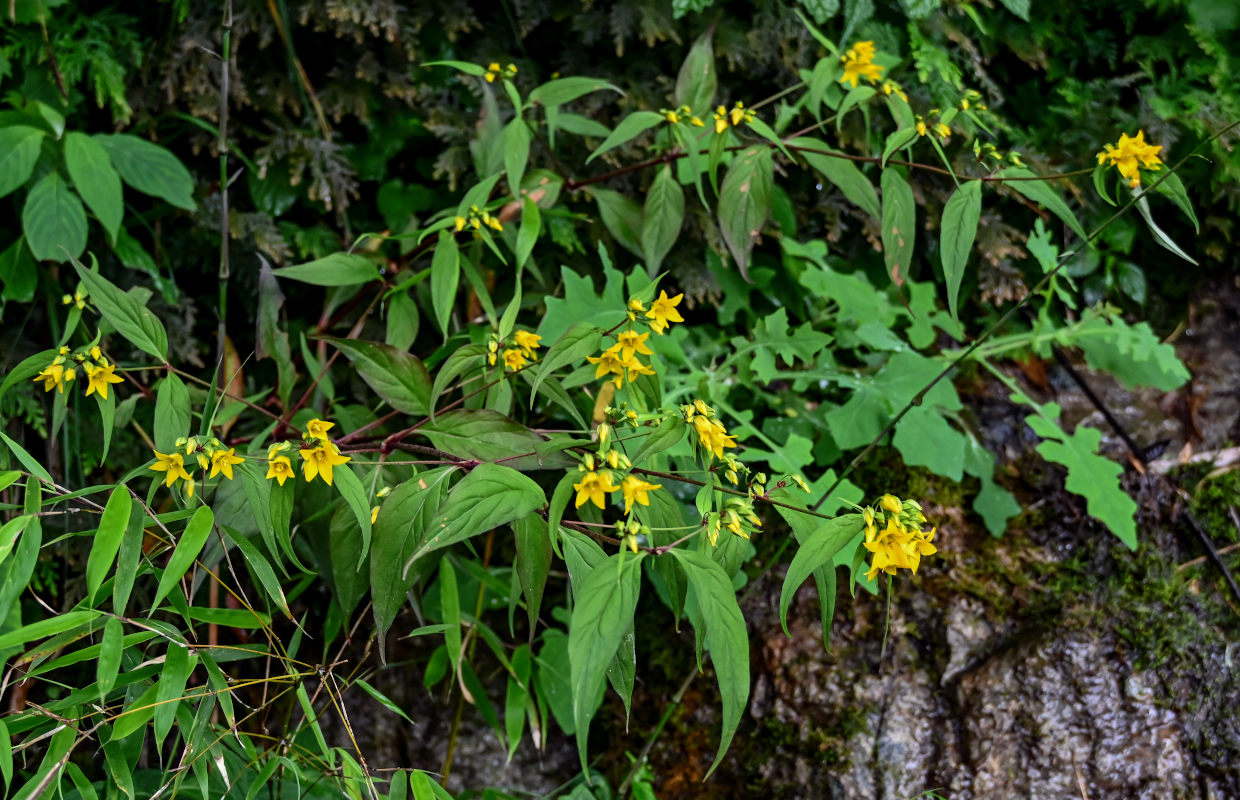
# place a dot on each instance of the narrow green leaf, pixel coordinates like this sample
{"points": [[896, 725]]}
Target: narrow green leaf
{"points": [[817, 551], [445, 277], [960, 218], [622, 217], [450, 603], [1040, 192], [531, 227], [46, 627], [564, 90], [662, 217], [745, 202], [187, 549], [354, 494], [53, 220], [178, 664], [895, 141], [396, 376], [899, 215], [698, 79], [1160, 236], [629, 128], [262, 569], [28, 461], [532, 562], [726, 637], [476, 70], [338, 269], [516, 152], [575, 344], [601, 617], [173, 415], [841, 172], [382, 699], [489, 496], [1171, 186], [130, 318], [95, 180], [107, 541]]}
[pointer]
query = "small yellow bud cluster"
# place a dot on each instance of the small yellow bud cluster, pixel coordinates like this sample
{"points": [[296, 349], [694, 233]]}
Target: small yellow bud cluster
{"points": [[100, 373], [737, 516], [77, 299], [940, 129], [972, 100], [318, 453], [859, 63], [600, 472], [986, 152], [893, 533], [495, 71], [893, 88], [477, 219], [738, 114], [679, 115]]}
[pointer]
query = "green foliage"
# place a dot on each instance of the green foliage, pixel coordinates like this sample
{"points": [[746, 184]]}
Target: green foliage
{"points": [[620, 372]]}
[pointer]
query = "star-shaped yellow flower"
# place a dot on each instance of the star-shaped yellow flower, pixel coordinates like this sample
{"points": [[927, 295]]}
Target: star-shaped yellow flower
{"points": [[319, 461], [636, 489], [633, 342], [663, 312], [99, 377], [528, 342], [318, 429], [222, 461], [594, 488], [279, 468], [514, 359], [173, 467]]}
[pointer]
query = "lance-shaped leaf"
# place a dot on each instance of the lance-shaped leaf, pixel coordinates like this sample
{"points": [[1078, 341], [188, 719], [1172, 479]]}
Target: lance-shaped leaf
{"points": [[698, 79], [150, 169], [445, 276], [1040, 191], [899, 214], [396, 376], [629, 128], [130, 318], [841, 172], [186, 551], [95, 180], [661, 218], [19, 151], [338, 269], [726, 637], [601, 618], [745, 202], [54, 220], [563, 90], [816, 552], [960, 218]]}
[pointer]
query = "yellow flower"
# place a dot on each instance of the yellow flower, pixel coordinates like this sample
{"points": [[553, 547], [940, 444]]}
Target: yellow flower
{"points": [[632, 342], [636, 489], [1129, 154], [279, 468], [53, 377], [663, 311], [635, 367], [670, 116], [891, 87], [528, 342], [721, 119], [942, 130], [514, 359], [493, 72], [317, 429], [859, 63], [922, 130], [609, 363], [78, 299], [594, 488], [222, 461], [173, 467], [459, 222], [99, 378], [891, 503], [712, 436], [374, 514], [319, 461], [97, 354]]}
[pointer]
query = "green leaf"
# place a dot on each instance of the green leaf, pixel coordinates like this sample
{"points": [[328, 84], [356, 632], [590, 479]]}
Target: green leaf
{"points": [[899, 217], [403, 519], [601, 617], [187, 549], [354, 495], [178, 664], [262, 569], [489, 496], [54, 220], [476, 70], [531, 227], [1090, 475], [230, 617], [95, 180], [109, 664], [697, 80], [46, 627], [382, 700], [924, 439], [1170, 186], [745, 202], [1143, 206], [570, 348], [662, 217], [816, 551], [396, 376], [666, 433], [445, 277], [993, 503], [564, 90], [726, 638], [467, 358], [172, 413], [960, 218], [772, 339], [532, 562], [107, 541], [629, 128], [9, 532], [486, 435], [131, 319], [1132, 353], [621, 216], [338, 269], [1040, 192], [516, 143], [19, 151], [128, 560], [841, 172], [896, 140], [150, 169], [28, 461], [582, 126]]}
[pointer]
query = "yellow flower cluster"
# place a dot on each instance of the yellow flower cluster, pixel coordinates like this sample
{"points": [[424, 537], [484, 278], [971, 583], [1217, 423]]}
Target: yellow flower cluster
{"points": [[77, 299], [891, 87], [598, 479], [1128, 155], [99, 372], [859, 63], [476, 220], [620, 360], [712, 435], [495, 71], [940, 130], [893, 533], [212, 457], [681, 114], [737, 516], [318, 455], [738, 114], [519, 353]]}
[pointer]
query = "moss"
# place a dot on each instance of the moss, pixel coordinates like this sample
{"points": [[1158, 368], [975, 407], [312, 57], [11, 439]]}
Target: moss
{"points": [[1212, 496]]}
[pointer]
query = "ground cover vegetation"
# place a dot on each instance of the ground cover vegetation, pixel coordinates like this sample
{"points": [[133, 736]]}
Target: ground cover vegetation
{"points": [[336, 325]]}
